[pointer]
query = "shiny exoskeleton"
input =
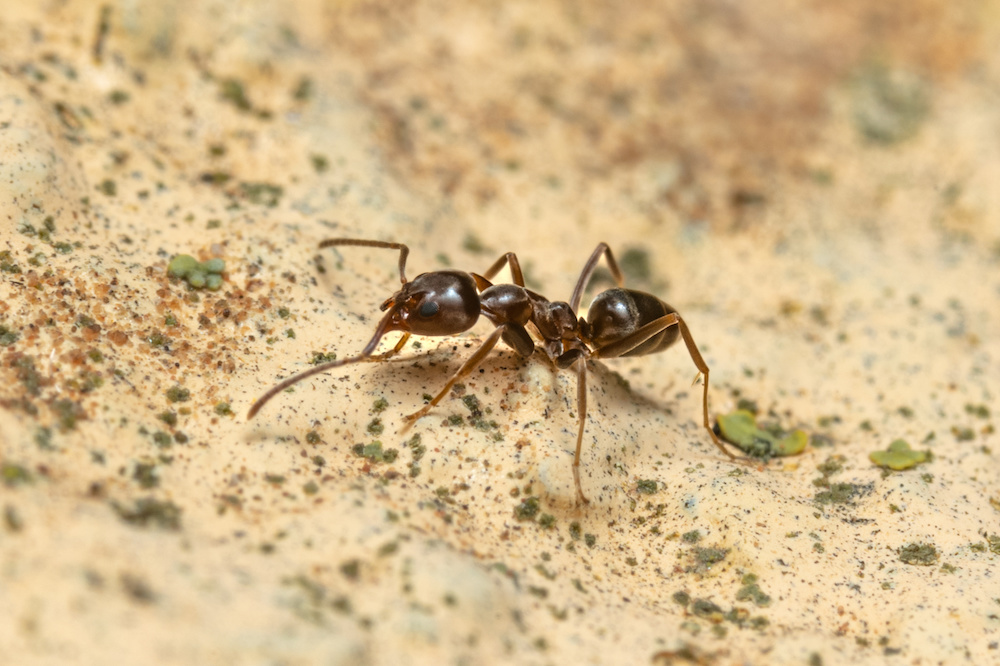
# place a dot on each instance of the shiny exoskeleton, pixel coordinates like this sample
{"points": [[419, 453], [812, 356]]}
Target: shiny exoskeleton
{"points": [[620, 322]]}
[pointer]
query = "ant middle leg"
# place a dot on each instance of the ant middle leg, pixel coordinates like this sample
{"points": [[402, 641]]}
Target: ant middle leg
{"points": [[581, 408], [643, 333], [588, 272]]}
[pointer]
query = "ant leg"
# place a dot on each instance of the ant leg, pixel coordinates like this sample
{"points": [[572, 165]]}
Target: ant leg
{"points": [[515, 268], [473, 361], [699, 363], [588, 271], [403, 250], [633, 340], [581, 408]]}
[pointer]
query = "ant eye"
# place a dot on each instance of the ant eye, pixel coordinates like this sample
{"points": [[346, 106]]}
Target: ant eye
{"points": [[428, 309]]}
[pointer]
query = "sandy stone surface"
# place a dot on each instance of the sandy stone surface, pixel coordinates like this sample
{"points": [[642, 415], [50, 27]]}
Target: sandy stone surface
{"points": [[815, 189]]}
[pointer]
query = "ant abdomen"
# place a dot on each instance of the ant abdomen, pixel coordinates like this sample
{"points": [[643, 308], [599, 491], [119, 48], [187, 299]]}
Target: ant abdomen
{"points": [[618, 313]]}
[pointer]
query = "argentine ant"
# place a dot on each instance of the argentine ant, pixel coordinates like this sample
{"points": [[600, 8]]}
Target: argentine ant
{"points": [[620, 322]]}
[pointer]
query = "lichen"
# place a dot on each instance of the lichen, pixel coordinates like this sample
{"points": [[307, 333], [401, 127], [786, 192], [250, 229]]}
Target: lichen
{"points": [[740, 428], [899, 456], [148, 511], [921, 554], [198, 274], [527, 509]]}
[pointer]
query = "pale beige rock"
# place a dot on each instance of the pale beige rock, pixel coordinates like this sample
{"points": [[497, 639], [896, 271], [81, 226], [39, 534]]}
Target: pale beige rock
{"points": [[846, 286]]}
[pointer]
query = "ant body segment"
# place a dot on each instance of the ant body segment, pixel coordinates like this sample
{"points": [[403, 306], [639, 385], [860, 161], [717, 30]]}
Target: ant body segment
{"points": [[620, 322]]}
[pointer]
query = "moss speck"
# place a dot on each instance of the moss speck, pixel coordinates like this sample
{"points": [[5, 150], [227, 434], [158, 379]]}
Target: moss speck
{"points": [[921, 554], [177, 393], [262, 194], [150, 512], [320, 357], [646, 486], [527, 509], [351, 569], [145, 475], [14, 475], [374, 452], [751, 592], [7, 336], [837, 493]]}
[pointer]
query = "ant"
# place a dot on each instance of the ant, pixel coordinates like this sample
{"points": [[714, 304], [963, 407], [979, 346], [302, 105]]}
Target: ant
{"points": [[620, 322]]}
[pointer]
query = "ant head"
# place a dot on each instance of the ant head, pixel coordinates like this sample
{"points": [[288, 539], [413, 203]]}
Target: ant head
{"points": [[438, 303]]}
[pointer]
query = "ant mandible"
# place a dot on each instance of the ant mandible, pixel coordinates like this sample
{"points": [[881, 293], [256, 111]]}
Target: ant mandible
{"points": [[620, 322]]}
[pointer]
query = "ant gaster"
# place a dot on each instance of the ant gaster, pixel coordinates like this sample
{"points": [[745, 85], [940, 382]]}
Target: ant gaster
{"points": [[620, 322]]}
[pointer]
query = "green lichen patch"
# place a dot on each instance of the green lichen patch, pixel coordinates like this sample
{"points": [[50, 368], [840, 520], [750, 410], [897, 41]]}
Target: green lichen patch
{"points": [[899, 456], [890, 106], [198, 274], [233, 91], [740, 428], [979, 411], [145, 475], [374, 452], [150, 512], [375, 427], [476, 417], [262, 194], [920, 554], [178, 393], [7, 263], [646, 486], [15, 475], [704, 558], [320, 357], [838, 493], [12, 519], [751, 592], [528, 509], [7, 336]]}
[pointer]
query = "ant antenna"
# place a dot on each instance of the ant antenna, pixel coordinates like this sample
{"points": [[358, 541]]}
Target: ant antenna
{"points": [[403, 250]]}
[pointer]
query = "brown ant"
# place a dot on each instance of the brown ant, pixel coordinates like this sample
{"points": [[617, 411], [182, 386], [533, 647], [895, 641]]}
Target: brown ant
{"points": [[620, 322]]}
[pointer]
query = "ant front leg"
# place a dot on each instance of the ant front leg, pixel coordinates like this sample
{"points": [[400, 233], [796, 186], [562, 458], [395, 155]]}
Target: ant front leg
{"points": [[644, 333], [471, 364]]}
